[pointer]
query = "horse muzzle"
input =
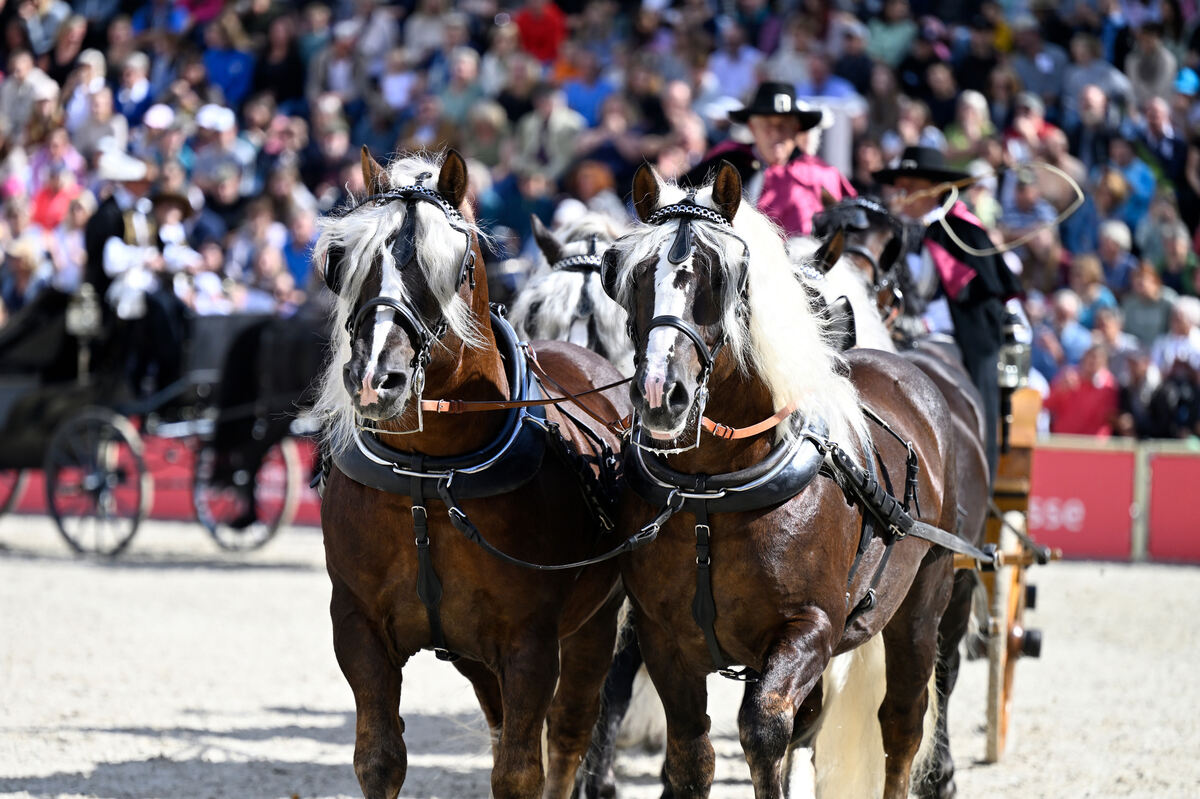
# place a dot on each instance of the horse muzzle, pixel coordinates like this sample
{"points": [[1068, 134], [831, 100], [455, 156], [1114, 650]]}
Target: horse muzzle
{"points": [[377, 396]]}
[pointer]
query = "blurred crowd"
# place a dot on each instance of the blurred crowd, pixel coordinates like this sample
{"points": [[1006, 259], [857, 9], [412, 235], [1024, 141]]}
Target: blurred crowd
{"points": [[249, 116]]}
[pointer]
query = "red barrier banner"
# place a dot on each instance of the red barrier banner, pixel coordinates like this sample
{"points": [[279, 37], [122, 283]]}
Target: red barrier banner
{"points": [[1080, 501], [1174, 523]]}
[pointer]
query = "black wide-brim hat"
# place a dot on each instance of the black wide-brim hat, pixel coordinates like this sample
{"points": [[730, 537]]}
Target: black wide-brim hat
{"points": [[775, 99], [925, 163]]}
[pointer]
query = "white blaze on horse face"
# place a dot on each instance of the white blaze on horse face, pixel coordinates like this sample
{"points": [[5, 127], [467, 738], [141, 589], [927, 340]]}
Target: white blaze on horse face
{"points": [[578, 333], [385, 319], [669, 300]]}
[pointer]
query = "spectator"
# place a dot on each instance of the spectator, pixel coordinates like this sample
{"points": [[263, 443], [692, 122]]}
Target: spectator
{"points": [[1138, 176], [789, 63], [337, 69], [545, 137], [133, 96], [227, 57], [1147, 307], [893, 33], [22, 278], [821, 80], [1178, 264], [1122, 348], [1063, 341], [1002, 90], [1041, 66], [297, 251], [85, 80], [543, 29], [280, 70], [463, 90], [1026, 136], [51, 201], [1151, 67], [428, 129], [1087, 281], [103, 128], [42, 19], [1090, 69], [1134, 414], [60, 62], [1181, 342], [1028, 210], [496, 64], [854, 65], [737, 62], [17, 93], [1175, 404], [1115, 243], [1083, 400], [1160, 138], [1088, 137], [587, 92]]}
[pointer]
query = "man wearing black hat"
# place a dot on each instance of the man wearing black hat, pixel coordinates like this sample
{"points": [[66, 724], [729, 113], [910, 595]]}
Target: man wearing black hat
{"points": [[971, 289], [779, 175]]}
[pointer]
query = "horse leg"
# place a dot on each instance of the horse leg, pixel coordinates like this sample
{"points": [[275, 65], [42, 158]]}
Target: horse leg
{"points": [[584, 657], [527, 681], [768, 715], [599, 779], [380, 756], [681, 686], [487, 691], [938, 781], [910, 641]]}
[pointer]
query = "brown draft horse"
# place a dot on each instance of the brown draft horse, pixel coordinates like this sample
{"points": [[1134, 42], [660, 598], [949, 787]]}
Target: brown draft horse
{"points": [[719, 282], [871, 237], [411, 318]]}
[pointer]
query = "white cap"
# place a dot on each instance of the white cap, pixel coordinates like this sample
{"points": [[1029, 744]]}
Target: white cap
{"points": [[216, 117], [159, 116], [121, 167]]}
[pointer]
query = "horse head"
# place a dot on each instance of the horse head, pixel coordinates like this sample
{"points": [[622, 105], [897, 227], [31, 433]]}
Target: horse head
{"points": [[564, 300], [679, 297], [873, 240], [402, 262]]}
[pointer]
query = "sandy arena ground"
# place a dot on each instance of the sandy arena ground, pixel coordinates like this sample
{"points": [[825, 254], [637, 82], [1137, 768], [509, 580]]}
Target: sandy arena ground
{"points": [[179, 672]]}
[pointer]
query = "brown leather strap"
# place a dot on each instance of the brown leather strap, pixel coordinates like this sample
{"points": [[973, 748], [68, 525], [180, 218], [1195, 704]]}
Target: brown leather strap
{"points": [[453, 406], [728, 433]]}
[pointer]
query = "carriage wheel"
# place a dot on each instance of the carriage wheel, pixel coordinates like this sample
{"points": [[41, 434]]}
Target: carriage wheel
{"points": [[12, 485], [223, 509], [1006, 641], [97, 487]]}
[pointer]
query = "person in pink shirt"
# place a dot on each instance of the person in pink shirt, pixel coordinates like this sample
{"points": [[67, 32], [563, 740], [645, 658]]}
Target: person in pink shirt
{"points": [[1084, 399], [778, 173]]}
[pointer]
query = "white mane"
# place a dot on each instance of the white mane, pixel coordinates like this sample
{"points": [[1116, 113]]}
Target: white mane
{"points": [[365, 234], [847, 280], [547, 306], [782, 341]]}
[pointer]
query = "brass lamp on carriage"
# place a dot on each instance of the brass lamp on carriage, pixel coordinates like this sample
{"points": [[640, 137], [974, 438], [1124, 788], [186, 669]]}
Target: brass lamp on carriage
{"points": [[1014, 363]]}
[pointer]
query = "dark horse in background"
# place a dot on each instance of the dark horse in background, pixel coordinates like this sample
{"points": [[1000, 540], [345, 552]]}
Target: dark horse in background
{"points": [[412, 318], [877, 242], [718, 314]]}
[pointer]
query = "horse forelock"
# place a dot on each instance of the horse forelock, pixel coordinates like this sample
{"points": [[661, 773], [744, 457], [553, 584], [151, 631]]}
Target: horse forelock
{"points": [[366, 234], [781, 339]]}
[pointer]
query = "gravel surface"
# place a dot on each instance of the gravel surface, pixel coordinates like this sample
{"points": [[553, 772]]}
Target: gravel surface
{"points": [[179, 672]]}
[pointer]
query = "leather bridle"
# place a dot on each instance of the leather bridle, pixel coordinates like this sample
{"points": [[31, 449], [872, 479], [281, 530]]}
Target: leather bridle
{"points": [[404, 256]]}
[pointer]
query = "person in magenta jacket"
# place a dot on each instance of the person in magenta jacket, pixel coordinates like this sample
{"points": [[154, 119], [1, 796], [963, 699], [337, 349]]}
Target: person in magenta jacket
{"points": [[779, 175]]}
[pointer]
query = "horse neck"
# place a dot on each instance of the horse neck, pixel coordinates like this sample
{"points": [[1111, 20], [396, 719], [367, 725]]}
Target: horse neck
{"points": [[460, 372], [736, 399]]}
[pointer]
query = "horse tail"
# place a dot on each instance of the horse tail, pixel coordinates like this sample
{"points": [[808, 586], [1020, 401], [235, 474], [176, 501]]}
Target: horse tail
{"points": [[927, 753], [848, 757]]}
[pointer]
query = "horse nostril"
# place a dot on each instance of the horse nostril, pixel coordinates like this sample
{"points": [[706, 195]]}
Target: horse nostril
{"points": [[393, 381], [677, 398]]}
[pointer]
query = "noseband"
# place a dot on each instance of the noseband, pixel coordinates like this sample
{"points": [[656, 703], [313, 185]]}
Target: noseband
{"points": [[404, 254]]}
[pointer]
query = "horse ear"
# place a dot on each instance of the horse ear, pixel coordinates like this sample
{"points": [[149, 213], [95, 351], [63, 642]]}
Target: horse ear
{"points": [[727, 190], [891, 253], [546, 242], [827, 199], [608, 272], [452, 180], [830, 252], [374, 175], [645, 192]]}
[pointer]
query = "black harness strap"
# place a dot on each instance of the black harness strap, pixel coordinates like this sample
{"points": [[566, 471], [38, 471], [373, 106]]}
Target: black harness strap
{"points": [[429, 587], [704, 607]]}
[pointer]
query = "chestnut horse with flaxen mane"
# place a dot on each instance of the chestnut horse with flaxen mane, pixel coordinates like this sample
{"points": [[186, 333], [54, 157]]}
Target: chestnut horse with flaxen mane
{"points": [[440, 528], [777, 547]]}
